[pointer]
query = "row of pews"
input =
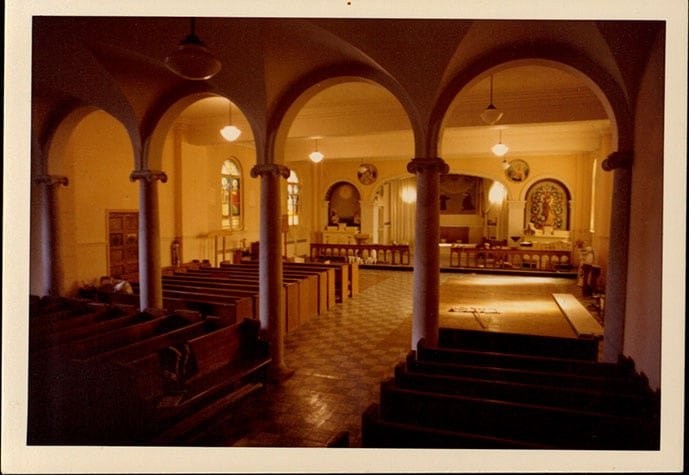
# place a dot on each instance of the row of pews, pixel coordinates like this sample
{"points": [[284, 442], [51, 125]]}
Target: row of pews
{"points": [[232, 289], [478, 389], [105, 372], [110, 374]]}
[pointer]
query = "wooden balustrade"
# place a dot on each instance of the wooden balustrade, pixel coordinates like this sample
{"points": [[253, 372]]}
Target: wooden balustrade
{"points": [[510, 258], [368, 253]]}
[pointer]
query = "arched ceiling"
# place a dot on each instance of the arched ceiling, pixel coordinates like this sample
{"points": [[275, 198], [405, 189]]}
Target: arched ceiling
{"points": [[529, 96], [264, 57]]}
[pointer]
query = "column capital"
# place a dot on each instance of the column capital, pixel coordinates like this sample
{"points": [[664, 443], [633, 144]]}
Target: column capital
{"points": [[51, 180], [419, 165], [148, 175], [263, 169], [619, 159]]}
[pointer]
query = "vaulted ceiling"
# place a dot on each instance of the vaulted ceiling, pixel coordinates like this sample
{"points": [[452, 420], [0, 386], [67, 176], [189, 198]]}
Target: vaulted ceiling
{"points": [[534, 99]]}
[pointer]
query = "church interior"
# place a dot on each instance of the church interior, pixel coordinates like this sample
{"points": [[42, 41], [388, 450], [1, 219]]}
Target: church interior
{"points": [[323, 216]]}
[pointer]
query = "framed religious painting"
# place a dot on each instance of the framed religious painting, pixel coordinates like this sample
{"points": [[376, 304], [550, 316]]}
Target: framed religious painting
{"points": [[517, 171], [367, 173]]}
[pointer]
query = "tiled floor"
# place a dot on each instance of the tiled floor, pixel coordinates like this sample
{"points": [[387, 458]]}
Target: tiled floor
{"points": [[339, 358]]}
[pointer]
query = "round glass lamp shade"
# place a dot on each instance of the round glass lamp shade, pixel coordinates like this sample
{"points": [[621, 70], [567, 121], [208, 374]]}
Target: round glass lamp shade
{"points": [[491, 115], [191, 60], [500, 149], [316, 156], [230, 133]]}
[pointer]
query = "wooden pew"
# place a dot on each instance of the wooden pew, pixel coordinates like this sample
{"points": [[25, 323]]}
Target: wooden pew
{"points": [[301, 294], [230, 364], [158, 342], [215, 288], [47, 304], [96, 312], [89, 347], [563, 428], [83, 327], [204, 288], [556, 395], [231, 309], [534, 345], [346, 276], [291, 290], [55, 314], [439, 354], [325, 273], [126, 394]]}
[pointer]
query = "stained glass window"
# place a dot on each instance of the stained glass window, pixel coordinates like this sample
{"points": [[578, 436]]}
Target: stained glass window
{"points": [[230, 186], [293, 191]]}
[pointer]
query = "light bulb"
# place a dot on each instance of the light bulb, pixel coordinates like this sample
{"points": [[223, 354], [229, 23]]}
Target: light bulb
{"points": [[316, 156], [500, 149], [230, 133]]}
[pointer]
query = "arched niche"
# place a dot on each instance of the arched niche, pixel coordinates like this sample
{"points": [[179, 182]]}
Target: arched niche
{"points": [[343, 204], [547, 206]]}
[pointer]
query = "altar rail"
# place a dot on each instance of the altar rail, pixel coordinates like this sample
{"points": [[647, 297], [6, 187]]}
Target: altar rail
{"points": [[368, 253], [511, 258]]}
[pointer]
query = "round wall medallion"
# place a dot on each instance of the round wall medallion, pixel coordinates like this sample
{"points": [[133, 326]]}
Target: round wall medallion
{"points": [[517, 171], [367, 173]]}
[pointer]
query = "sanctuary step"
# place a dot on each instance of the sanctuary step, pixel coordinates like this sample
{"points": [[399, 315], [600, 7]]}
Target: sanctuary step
{"points": [[477, 389]]}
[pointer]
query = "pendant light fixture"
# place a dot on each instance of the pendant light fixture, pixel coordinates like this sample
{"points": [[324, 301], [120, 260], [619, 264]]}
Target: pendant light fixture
{"points": [[491, 114], [191, 60], [230, 132], [316, 156], [500, 148]]}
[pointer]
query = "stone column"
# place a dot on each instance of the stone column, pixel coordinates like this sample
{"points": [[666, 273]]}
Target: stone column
{"points": [[47, 227], [150, 274], [515, 218], [367, 213], [618, 254], [271, 298], [426, 250]]}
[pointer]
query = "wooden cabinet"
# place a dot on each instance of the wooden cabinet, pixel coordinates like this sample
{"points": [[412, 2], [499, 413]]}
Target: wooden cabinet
{"points": [[123, 243]]}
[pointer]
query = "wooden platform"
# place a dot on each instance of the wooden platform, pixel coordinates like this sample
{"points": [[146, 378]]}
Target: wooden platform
{"points": [[581, 320]]}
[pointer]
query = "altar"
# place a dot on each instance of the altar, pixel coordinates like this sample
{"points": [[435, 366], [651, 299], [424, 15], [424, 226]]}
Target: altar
{"points": [[341, 234]]}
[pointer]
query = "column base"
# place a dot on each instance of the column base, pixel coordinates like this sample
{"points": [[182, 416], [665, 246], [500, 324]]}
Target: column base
{"points": [[278, 374]]}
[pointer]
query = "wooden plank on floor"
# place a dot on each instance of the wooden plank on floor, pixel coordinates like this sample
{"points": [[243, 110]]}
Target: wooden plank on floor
{"points": [[581, 320]]}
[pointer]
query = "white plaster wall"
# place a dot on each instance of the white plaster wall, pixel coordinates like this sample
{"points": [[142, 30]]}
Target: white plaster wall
{"points": [[98, 160]]}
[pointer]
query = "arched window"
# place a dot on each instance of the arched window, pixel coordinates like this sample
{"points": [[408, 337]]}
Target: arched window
{"points": [[230, 185], [293, 190]]}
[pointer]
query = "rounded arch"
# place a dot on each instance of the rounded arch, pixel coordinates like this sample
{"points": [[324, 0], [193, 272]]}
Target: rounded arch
{"points": [[163, 115], [72, 88], [61, 129], [611, 95], [377, 190], [344, 206], [532, 180], [288, 106], [548, 204], [497, 177]]}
